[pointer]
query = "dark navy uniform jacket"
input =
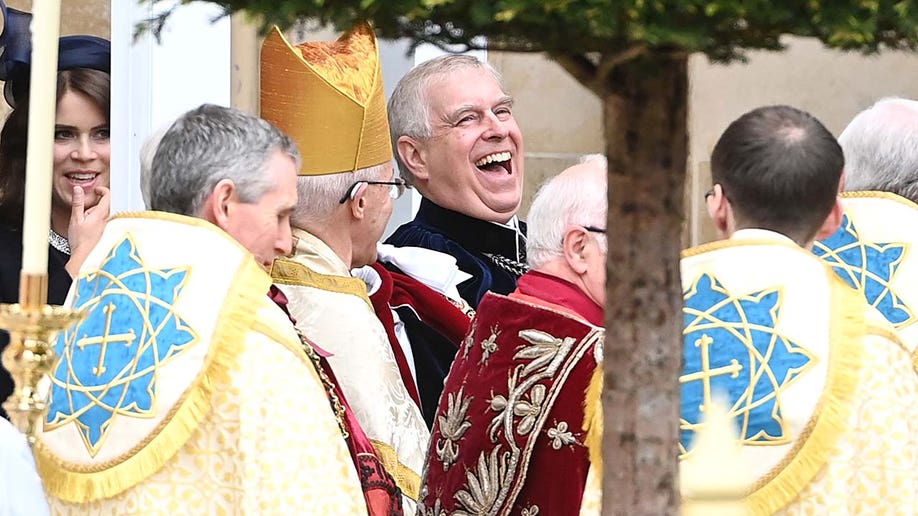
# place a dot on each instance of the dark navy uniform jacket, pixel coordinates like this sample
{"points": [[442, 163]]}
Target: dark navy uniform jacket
{"points": [[493, 254]]}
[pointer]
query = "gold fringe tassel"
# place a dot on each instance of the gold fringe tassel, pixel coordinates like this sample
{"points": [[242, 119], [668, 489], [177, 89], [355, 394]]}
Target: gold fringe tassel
{"points": [[829, 420], [592, 419], [82, 484]]}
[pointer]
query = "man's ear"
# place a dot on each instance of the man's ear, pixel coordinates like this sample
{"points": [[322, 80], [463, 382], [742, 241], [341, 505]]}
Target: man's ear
{"points": [[832, 222], [219, 205], [413, 156], [841, 181], [719, 210], [358, 204], [574, 246]]}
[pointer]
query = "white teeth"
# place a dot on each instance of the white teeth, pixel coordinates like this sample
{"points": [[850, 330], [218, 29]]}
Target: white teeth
{"points": [[82, 177], [497, 157]]}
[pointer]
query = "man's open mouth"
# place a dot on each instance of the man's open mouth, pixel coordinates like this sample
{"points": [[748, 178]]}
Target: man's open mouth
{"points": [[495, 162]]}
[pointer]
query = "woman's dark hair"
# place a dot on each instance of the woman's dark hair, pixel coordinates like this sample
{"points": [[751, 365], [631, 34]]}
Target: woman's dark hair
{"points": [[94, 84]]}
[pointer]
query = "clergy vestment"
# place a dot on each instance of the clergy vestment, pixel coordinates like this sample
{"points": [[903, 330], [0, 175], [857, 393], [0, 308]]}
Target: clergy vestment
{"points": [[425, 322], [494, 254], [822, 392], [509, 436], [329, 97], [331, 307], [186, 390], [876, 252]]}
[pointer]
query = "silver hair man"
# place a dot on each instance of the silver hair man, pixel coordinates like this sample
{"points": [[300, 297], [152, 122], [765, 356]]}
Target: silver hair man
{"points": [[409, 113], [207, 145], [320, 195], [147, 153], [563, 202], [881, 148]]}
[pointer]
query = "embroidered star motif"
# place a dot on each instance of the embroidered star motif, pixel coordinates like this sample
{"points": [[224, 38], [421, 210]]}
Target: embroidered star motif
{"points": [[869, 267], [109, 361], [731, 348]]}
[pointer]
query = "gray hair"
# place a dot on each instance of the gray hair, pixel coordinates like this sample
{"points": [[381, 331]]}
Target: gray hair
{"points": [[318, 196], [147, 153], [409, 113], [881, 148], [561, 202], [207, 145]]}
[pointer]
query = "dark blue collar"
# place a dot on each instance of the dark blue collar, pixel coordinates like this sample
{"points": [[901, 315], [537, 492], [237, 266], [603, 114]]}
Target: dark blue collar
{"points": [[473, 234]]}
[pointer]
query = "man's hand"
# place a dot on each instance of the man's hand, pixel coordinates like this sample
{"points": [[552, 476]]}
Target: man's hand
{"points": [[86, 225]]}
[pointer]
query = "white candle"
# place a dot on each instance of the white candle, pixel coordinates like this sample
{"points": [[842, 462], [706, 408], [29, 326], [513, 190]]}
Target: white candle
{"points": [[46, 21]]}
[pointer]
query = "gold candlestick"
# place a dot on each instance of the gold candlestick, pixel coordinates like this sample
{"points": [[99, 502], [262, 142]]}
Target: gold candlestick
{"points": [[29, 357], [714, 479]]}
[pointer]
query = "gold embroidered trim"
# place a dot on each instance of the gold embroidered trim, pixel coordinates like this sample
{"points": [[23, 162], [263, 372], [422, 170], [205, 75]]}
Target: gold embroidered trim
{"points": [[337, 407], [497, 477], [287, 272], [830, 418], [406, 479], [77, 483], [875, 194], [575, 355], [722, 244]]}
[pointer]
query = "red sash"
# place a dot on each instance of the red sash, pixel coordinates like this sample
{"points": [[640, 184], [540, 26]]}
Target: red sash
{"points": [[383, 497]]}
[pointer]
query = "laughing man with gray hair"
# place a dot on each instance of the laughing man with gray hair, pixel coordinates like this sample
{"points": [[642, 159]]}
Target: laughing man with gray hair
{"points": [[458, 143]]}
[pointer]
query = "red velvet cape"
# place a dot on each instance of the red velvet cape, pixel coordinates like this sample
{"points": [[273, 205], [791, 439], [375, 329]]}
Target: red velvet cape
{"points": [[509, 432]]}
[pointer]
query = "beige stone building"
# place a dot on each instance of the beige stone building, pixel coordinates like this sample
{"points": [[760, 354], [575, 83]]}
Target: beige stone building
{"points": [[562, 120]]}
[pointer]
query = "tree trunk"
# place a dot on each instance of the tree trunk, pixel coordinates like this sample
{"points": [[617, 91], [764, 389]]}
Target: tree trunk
{"points": [[645, 121]]}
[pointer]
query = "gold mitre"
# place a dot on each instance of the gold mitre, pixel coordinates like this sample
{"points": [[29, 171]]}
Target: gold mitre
{"points": [[328, 96]]}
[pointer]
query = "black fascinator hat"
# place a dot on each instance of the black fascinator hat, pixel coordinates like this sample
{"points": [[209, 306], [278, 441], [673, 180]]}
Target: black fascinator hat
{"points": [[16, 53]]}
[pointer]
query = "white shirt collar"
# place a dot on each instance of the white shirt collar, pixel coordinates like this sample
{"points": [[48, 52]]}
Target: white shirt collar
{"points": [[760, 234]]}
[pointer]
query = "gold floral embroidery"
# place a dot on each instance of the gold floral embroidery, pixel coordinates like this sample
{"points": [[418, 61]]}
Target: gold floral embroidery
{"points": [[561, 436], [489, 345], [453, 426], [520, 410], [484, 484], [434, 510], [469, 341], [529, 410], [544, 350]]}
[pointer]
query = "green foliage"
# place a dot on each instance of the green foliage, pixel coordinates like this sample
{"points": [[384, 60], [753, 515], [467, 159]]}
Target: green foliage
{"points": [[722, 29]]}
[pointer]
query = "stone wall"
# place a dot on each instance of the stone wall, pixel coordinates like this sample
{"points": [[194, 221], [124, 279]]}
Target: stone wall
{"points": [[561, 119]]}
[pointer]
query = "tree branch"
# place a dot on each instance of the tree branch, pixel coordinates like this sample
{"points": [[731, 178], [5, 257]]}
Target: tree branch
{"points": [[581, 68], [608, 62]]}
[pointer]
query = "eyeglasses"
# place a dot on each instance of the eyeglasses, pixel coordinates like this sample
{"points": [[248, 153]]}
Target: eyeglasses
{"points": [[709, 193], [591, 229], [397, 187]]}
